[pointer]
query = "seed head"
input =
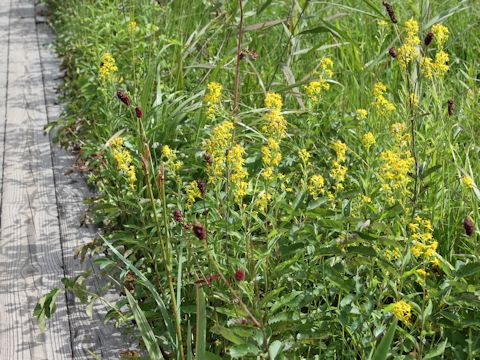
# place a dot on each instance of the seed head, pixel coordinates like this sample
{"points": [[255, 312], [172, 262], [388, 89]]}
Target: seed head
{"points": [[468, 226], [199, 231], [239, 275], [390, 11], [428, 38], [202, 187], [124, 98], [207, 158], [451, 107], [178, 216], [139, 112], [392, 52]]}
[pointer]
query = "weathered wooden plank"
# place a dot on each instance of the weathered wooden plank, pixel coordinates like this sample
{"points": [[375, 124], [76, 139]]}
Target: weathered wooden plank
{"points": [[87, 333], [31, 260]]}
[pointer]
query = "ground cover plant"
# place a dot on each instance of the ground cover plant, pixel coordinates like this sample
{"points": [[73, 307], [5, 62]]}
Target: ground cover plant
{"points": [[279, 179]]}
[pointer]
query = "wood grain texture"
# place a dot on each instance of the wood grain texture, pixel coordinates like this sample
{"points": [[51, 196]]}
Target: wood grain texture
{"points": [[87, 333], [31, 259]]}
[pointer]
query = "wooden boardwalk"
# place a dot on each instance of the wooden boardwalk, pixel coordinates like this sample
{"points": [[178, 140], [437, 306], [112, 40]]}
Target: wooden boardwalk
{"points": [[39, 206]]}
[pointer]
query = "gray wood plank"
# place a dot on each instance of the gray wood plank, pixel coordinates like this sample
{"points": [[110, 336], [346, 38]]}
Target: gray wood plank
{"points": [[87, 334], [31, 260]]}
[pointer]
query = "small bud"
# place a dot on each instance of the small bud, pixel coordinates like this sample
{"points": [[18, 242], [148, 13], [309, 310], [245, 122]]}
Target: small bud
{"points": [[428, 38], [390, 11], [239, 275], [202, 187], [124, 98], [178, 216], [199, 231], [139, 112], [392, 52], [469, 226], [451, 107]]}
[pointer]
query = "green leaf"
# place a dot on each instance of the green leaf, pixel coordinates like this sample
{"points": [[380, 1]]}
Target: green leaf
{"points": [[468, 270], [201, 331], [274, 349], [211, 356], [238, 351], [439, 350], [381, 352], [145, 330], [45, 308], [227, 334]]}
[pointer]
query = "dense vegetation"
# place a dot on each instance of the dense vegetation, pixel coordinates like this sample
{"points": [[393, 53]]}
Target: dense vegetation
{"points": [[325, 208]]}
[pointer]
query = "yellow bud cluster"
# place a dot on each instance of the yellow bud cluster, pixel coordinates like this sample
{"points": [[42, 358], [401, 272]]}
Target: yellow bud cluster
{"points": [[380, 101], [124, 161], [212, 98], [108, 67]]}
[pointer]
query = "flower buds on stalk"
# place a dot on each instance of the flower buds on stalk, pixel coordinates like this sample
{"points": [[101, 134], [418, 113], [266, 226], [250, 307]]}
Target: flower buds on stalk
{"points": [[124, 98], [390, 12], [428, 38], [199, 231], [392, 52], [468, 226], [451, 107], [138, 112]]}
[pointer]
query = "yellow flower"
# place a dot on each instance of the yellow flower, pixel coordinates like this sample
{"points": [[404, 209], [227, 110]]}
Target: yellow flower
{"points": [[468, 182], [426, 64], [132, 25], [402, 311], [368, 140], [315, 88], [268, 173], [361, 114], [340, 150], [212, 98], [304, 155], [167, 152], [273, 101], [413, 99], [108, 66], [326, 64], [220, 140], [316, 186], [263, 199], [440, 66], [193, 192], [382, 23], [238, 172], [408, 51], [440, 33], [124, 161], [380, 101], [366, 199]]}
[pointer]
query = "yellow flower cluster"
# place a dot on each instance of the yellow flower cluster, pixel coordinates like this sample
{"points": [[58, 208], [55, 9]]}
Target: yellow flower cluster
{"points": [[361, 114], [304, 155], [238, 172], [316, 186], [315, 88], [467, 181], [108, 66], [408, 51], [276, 124], [212, 98], [380, 101], [402, 311], [423, 243], [132, 25], [440, 33], [394, 171], [339, 171], [263, 199], [216, 146], [193, 193], [421, 275], [171, 162], [400, 133], [124, 161], [368, 140], [275, 128], [439, 67]]}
